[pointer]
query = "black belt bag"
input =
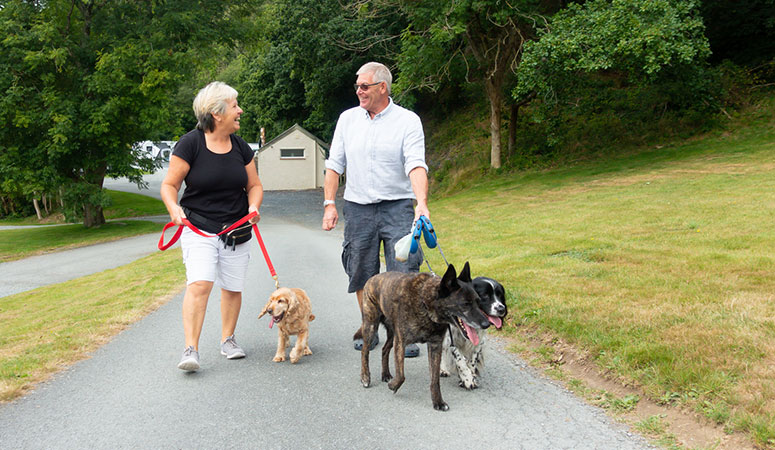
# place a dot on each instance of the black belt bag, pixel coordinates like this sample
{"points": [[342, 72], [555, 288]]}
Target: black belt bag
{"points": [[231, 239]]}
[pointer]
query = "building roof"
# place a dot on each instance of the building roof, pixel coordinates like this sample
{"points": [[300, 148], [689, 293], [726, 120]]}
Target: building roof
{"points": [[290, 130]]}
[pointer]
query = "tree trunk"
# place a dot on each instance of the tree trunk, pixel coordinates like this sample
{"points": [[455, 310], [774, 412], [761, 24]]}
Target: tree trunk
{"points": [[512, 130], [92, 213], [93, 216], [494, 95], [37, 208]]}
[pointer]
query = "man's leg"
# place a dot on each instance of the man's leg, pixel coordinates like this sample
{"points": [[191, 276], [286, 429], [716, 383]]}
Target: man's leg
{"points": [[396, 222], [360, 254]]}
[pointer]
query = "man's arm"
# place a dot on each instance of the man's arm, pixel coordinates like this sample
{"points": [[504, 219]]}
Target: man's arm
{"points": [[330, 186], [419, 179]]}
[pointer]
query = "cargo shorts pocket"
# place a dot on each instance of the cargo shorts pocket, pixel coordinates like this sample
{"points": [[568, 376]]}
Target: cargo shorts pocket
{"points": [[346, 256]]}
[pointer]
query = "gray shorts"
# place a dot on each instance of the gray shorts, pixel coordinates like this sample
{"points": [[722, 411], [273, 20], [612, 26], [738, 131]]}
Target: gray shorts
{"points": [[369, 226]]}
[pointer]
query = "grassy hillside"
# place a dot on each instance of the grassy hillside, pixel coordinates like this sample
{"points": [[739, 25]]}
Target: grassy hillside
{"points": [[657, 264]]}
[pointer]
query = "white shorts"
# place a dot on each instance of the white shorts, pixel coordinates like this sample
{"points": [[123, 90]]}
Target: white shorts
{"points": [[207, 260]]}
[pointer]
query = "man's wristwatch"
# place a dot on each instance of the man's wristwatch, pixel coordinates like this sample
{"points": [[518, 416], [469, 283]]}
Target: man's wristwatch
{"points": [[328, 202]]}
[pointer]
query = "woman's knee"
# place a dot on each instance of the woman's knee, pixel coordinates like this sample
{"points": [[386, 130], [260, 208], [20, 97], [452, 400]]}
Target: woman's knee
{"points": [[200, 288]]}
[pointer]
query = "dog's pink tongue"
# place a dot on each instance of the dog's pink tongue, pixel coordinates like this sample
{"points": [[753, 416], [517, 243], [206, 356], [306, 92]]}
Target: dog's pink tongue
{"points": [[495, 321], [473, 336], [271, 322]]}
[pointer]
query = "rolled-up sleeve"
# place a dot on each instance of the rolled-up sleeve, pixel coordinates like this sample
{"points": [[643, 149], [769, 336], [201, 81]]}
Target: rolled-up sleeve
{"points": [[337, 160], [414, 145]]}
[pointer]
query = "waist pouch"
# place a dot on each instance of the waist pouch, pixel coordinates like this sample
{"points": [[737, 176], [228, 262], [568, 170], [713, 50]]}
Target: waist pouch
{"points": [[231, 239]]}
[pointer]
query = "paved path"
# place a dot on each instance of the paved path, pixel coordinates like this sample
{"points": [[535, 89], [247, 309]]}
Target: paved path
{"points": [[129, 394]]}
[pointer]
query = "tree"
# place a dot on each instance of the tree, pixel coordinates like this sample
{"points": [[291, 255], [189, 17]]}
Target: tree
{"points": [[488, 41], [305, 72], [87, 78], [481, 38], [641, 38]]}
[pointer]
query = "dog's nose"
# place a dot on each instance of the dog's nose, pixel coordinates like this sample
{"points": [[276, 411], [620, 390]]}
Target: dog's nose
{"points": [[500, 308], [269, 310]]}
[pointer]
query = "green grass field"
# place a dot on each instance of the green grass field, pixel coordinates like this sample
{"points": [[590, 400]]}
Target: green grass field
{"points": [[659, 265], [21, 243]]}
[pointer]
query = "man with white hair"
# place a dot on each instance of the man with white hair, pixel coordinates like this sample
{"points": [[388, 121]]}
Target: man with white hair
{"points": [[383, 147]]}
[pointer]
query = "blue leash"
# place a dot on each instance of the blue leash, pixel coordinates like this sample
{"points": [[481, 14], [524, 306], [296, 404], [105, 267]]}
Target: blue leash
{"points": [[424, 228]]}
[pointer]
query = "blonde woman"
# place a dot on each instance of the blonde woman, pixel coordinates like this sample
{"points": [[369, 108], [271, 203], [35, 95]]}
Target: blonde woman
{"points": [[222, 186]]}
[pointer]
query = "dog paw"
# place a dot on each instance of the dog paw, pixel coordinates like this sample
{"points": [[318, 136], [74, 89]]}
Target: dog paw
{"points": [[386, 377], [471, 383], [366, 380], [441, 406], [395, 384], [279, 358], [307, 352], [444, 373]]}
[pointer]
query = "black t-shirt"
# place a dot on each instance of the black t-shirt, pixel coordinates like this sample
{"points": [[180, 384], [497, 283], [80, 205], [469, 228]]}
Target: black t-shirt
{"points": [[215, 184]]}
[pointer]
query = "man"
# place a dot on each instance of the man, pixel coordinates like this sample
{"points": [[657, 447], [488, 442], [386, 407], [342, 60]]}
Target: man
{"points": [[383, 147]]}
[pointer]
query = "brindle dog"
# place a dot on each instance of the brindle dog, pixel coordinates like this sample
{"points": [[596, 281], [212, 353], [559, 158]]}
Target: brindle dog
{"points": [[418, 307]]}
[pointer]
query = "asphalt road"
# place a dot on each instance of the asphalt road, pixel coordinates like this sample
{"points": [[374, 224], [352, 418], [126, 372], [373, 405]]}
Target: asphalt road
{"points": [[129, 393]]}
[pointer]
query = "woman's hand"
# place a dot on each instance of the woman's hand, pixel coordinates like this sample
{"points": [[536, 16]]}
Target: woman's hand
{"points": [[177, 215], [252, 208]]}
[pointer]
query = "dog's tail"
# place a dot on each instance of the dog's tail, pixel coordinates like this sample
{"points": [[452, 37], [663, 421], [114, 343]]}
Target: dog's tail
{"points": [[311, 317]]}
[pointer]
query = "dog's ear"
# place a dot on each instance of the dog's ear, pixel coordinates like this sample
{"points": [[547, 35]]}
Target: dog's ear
{"points": [[293, 301], [465, 274], [263, 311], [448, 281]]}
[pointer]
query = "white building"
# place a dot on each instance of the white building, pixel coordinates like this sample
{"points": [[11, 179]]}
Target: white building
{"points": [[293, 160]]}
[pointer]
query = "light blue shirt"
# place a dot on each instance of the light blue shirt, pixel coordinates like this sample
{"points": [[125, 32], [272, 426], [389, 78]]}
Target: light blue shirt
{"points": [[379, 153]]}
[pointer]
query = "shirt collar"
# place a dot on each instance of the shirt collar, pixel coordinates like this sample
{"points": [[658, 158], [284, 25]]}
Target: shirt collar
{"points": [[382, 113]]}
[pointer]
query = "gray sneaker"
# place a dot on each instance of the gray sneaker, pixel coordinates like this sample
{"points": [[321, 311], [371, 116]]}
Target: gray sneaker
{"points": [[190, 360], [230, 349]]}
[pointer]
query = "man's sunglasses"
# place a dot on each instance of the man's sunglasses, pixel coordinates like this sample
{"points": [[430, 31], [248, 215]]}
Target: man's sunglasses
{"points": [[364, 87]]}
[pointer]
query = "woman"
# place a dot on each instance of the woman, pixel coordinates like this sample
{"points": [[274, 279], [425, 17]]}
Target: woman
{"points": [[222, 186]]}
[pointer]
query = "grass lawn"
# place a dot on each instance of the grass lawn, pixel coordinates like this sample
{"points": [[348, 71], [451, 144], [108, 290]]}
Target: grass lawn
{"points": [[659, 266], [44, 330], [21, 243]]}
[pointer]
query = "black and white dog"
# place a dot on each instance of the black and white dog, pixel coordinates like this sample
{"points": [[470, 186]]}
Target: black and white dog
{"points": [[460, 354]]}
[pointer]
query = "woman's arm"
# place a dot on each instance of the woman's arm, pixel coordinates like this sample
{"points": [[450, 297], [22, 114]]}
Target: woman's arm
{"points": [[176, 173], [255, 190]]}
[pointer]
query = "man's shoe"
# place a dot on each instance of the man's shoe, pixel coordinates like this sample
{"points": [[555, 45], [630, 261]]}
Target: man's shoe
{"points": [[411, 351], [190, 360], [230, 349], [358, 343]]}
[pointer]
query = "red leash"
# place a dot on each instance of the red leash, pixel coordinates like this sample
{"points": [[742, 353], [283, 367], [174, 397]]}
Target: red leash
{"points": [[162, 246]]}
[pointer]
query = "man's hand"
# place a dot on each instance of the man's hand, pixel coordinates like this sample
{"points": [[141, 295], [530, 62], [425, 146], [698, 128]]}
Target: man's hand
{"points": [[330, 217], [421, 210]]}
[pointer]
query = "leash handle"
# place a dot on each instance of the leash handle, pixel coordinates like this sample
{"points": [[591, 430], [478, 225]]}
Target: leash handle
{"points": [[424, 227]]}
